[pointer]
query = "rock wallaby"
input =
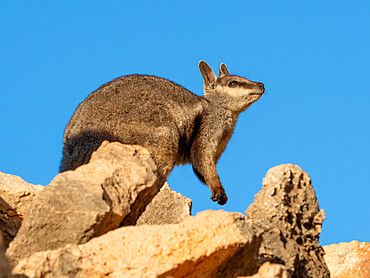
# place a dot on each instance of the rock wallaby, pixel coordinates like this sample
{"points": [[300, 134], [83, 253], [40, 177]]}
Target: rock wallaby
{"points": [[175, 125]]}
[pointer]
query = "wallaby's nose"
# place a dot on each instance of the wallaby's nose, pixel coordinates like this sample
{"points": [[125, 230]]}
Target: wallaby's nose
{"points": [[261, 86]]}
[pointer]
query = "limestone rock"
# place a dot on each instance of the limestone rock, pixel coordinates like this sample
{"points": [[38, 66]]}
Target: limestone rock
{"points": [[211, 244], [167, 207], [16, 192], [78, 205], [286, 209], [348, 260], [15, 197], [4, 266], [269, 270]]}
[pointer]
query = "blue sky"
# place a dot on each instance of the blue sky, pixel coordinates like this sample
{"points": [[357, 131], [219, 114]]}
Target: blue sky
{"points": [[312, 56]]}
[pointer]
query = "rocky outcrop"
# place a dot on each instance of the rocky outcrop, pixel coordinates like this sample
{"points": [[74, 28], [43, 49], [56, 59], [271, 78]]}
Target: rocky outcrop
{"points": [[287, 211], [167, 207], [78, 205], [348, 260], [15, 197], [211, 244], [74, 227]]}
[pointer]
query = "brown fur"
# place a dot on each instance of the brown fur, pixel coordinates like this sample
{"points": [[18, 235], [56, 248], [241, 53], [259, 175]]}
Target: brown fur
{"points": [[175, 125]]}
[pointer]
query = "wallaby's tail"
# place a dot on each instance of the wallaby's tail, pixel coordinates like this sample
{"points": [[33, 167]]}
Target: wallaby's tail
{"points": [[77, 150]]}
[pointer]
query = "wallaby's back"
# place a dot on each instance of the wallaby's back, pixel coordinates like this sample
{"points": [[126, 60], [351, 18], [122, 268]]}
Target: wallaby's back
{"points": [[135, 109]]}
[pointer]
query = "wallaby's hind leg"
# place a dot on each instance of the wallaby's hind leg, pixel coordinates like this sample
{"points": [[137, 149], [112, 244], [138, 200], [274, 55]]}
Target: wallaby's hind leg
{"points": [[164, 157]]}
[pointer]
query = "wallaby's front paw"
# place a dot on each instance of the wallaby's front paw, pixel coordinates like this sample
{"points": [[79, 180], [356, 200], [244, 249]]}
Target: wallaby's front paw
{"points": [[219, 197]]}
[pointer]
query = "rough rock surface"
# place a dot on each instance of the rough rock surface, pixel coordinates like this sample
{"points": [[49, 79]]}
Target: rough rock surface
{"points": [[211, 244], [4, 266], [78, 205], [348, 260], [15, 197], [167, 207], [269, 270], [287, 211]]}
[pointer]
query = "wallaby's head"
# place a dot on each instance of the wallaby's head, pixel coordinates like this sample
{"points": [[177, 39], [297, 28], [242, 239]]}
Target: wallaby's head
{"points": [[232, 92]]}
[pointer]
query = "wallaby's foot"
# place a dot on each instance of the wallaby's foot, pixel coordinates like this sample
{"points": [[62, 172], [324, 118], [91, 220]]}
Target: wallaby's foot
{"points": [[219, 197]]}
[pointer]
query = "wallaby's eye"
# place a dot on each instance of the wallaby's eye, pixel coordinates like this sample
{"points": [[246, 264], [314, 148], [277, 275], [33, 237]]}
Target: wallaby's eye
{"points": [[233, 84]]}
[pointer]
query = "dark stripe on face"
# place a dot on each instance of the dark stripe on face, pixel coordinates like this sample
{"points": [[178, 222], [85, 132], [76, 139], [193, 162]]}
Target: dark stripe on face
{"points": [[243, 83], [246, 85]]}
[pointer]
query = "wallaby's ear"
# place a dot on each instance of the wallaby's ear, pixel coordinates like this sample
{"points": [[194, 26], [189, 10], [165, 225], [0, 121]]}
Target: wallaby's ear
{"points": [[209, 77], [223, 70]]}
